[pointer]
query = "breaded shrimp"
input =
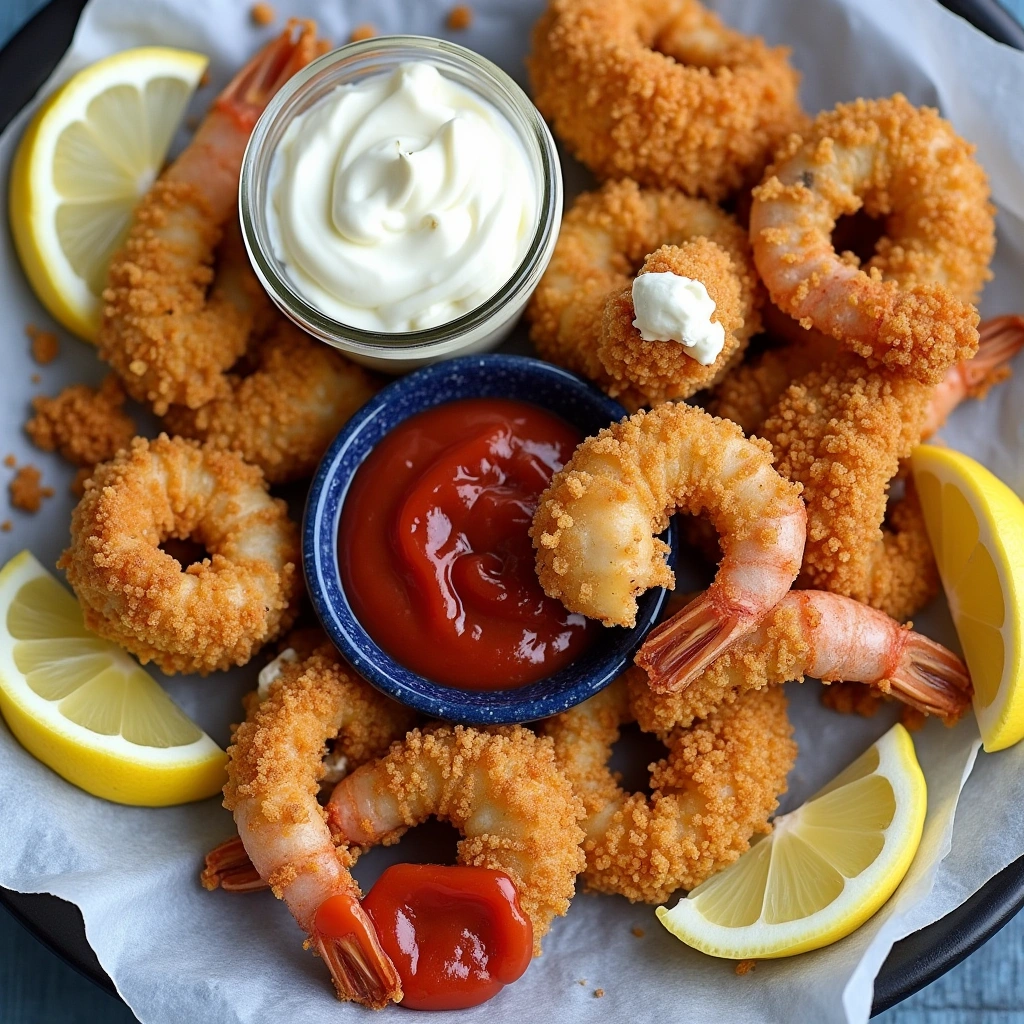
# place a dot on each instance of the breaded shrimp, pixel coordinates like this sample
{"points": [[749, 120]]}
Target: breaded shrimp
{"points": [[86, 425], [363, 724], [210, 615], [276, 760], [604, 238], [910, 307], [825, 636], [662, 91], [714, 791], [595, 531], [747, 393], [639, 372], [285, 406], [501, 789], [841, 431], [170, 326]]}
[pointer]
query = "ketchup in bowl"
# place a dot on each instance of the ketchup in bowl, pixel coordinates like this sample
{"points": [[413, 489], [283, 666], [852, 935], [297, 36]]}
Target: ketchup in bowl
{"points": [[434, 545], [456, 935]]}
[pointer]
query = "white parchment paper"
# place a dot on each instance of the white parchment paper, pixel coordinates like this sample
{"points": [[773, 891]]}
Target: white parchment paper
{"points": [[177, 953]]}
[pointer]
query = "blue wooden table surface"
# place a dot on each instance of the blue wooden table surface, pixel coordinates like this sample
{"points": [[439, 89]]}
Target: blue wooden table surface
{"points": [[37, 988]]}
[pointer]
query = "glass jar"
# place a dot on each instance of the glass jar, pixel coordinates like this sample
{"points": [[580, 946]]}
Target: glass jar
{"points": [[482, 328]]}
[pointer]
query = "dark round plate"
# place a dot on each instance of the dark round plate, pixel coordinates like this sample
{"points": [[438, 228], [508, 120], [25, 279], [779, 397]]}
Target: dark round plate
{"points": [[914, 962]]}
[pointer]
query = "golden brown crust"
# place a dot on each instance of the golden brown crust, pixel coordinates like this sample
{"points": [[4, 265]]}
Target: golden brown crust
{"points": [[529, 827], [283, 414], [841, 432], [276, 754], [168, 339], [713, 792], [215, 614], [662, 92], [604, 239], [910, 305], [86, 425]]}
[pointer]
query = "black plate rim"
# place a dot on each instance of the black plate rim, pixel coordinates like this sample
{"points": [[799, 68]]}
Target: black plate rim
{"points": [[913, 963]]}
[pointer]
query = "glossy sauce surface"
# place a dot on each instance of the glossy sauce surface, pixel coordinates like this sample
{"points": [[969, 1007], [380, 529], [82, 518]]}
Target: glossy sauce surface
{"points": [[456, 935], [435, 551]]}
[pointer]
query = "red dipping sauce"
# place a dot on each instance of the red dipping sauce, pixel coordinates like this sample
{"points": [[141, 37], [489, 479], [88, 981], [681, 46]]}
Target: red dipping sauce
{"points": [[456, 935], [435, 552]]}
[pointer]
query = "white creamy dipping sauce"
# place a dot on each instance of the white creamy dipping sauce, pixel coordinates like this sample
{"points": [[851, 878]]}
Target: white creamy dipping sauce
{"points": [[670, 307], [400, 202]]}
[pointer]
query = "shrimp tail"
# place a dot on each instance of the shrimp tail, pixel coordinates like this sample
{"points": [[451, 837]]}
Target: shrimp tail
{"points": [[361, 970], [1001, 338], [932, 679], [678, 651], [248, 93], [228, 867]]}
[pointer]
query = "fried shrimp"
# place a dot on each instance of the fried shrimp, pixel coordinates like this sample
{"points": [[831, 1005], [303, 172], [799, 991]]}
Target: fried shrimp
{"points": [[604, 238], [363, 724], [825, 636], [171, 326], [910, 306], [642, 372], [276, 761], [211, 615], [285, 403], [595, 531], [501, 789], [841, 432], [714, 791], [747, 393], [662, 92]]}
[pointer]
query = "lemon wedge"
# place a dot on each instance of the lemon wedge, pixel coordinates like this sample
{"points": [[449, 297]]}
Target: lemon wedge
{"points": [[90, 153], [824, 869], [976, 526], [87, 709]]}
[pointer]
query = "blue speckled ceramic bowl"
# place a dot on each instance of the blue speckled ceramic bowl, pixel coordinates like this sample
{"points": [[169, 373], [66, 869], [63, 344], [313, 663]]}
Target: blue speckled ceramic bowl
{"points": [[486, 376]]}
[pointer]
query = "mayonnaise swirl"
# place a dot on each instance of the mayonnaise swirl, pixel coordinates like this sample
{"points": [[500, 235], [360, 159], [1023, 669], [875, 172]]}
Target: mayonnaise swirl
{"points": [[400, 202]]}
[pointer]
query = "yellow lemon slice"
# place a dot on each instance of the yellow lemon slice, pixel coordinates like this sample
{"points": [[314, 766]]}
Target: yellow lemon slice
{"points": [[86, 708], [824, 869], [90, 153], [976, 526]]}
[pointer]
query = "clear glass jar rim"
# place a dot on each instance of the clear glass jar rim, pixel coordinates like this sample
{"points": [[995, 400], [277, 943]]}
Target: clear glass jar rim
{"points": [[258, 244]]}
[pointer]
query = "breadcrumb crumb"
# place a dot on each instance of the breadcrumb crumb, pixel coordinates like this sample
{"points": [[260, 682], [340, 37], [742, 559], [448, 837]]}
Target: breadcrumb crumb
{"points": [[745, 967], [460, 18], [6, 525], [10, 461], [262, 14], [364, 31], [27, 492], [598, 993], [45, 346], [86, 425], [638, 932]]}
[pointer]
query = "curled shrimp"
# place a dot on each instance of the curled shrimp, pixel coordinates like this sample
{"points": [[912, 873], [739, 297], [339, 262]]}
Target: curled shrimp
{"points": [[714, 791], [748, 392], [910, 307], [595, 531], [501, 789], [171, 326], [825, 636], [276, 762]]}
